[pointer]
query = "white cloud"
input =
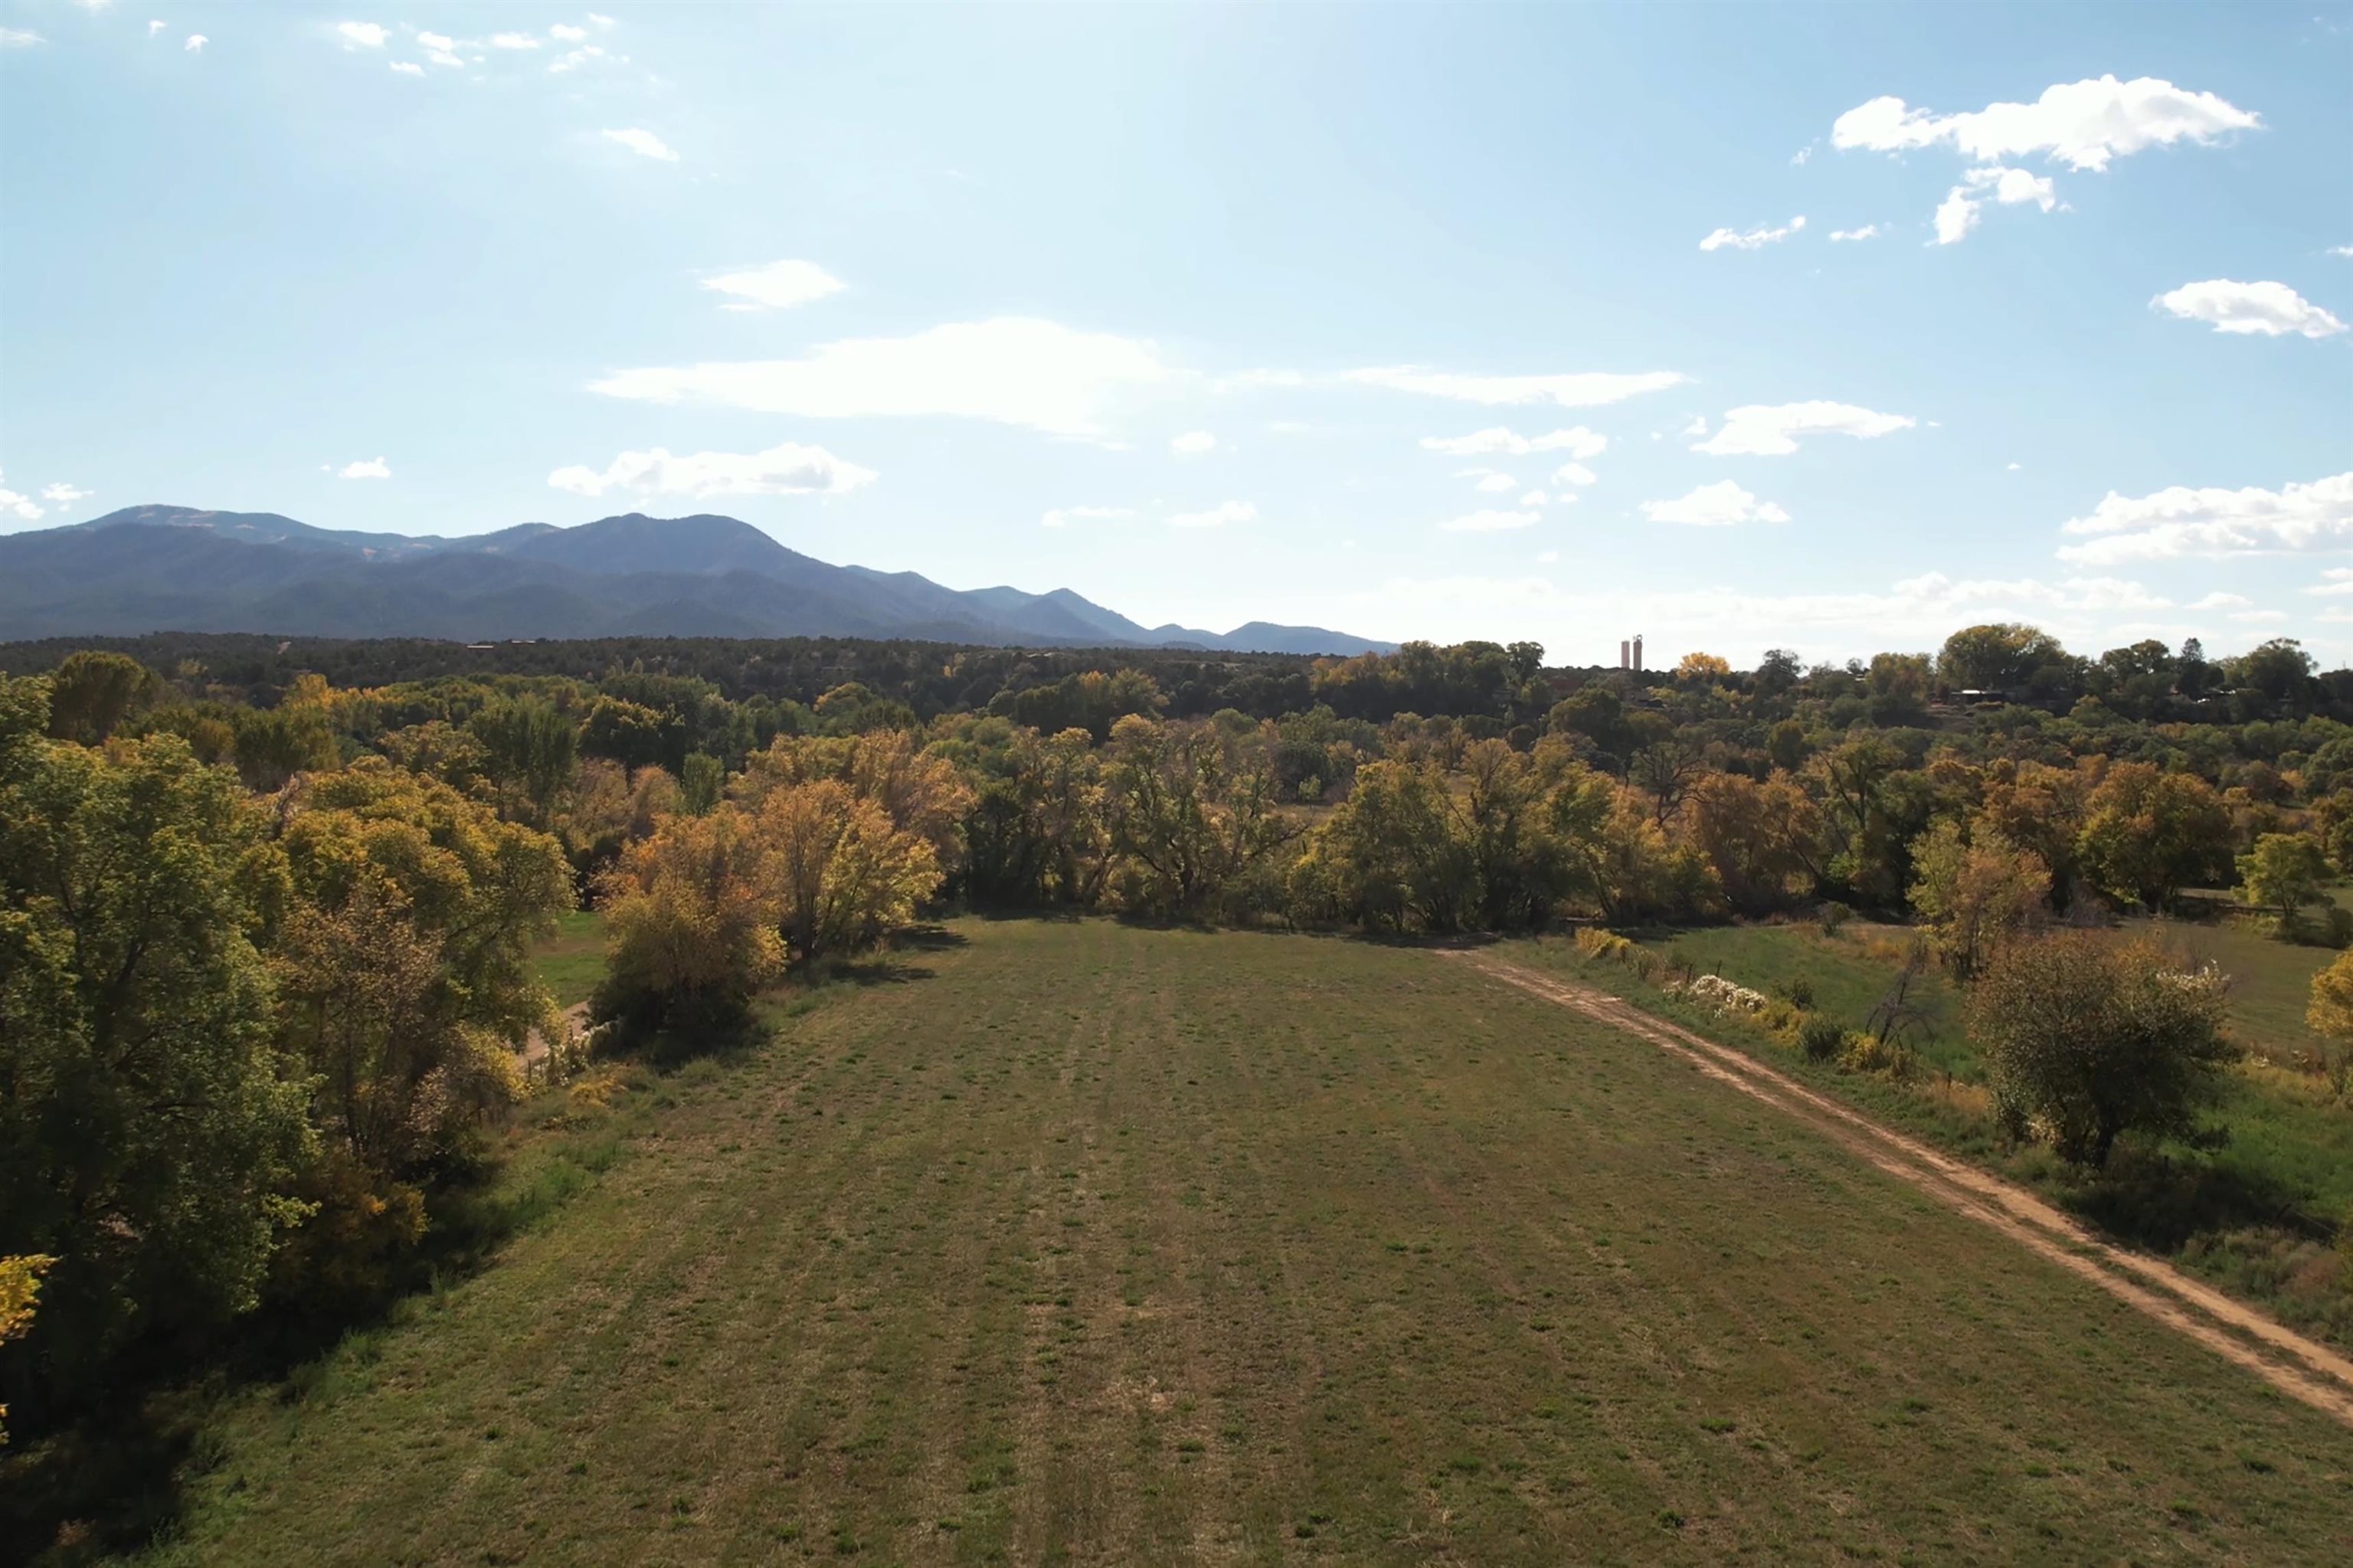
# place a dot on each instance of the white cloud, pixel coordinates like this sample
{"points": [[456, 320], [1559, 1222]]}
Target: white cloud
{"points": [[1193, 443], [570, 35], [1868, 231], [63, 494], [2259, 616], [1958, 213], [779, 285], [574, 59], [1061, 515], [643, 142], [408, 68], [596, 21], [1547, 558], [1718, 505], [2014, 187], [196, 44], [1576, 442], [20, 506], [2012, 467], [1538, 498], [365, 467], [361, 35], [1771, 431], [1798, 159], [1574, 474], [1014, 370], [2221, 601], [785, 470], [1494, 481], [441, 41], [155, 27], [1697, 428], [2214, 523], [514, 41], [1755, 239], [2341, 250], [2271, 310], [22, 38], [1582, 389], [2083, 124], [1217, 516], [437, 58], [2333, 580], [1489, 522]]}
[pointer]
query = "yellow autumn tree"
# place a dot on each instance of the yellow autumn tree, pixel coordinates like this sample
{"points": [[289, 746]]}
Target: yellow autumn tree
{"points": [[836, 870], [690, 922]]}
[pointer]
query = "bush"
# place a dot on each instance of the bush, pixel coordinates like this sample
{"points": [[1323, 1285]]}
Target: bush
{"points": [[2086, 1038], [1596, 943], [1831, 915], [1819, 1038], [1801, 994], [1864, 1052]]}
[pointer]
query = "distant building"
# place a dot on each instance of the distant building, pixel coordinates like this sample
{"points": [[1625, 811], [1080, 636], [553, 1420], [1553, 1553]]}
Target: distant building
{"points": [[1638, 653], [1625, 654]]}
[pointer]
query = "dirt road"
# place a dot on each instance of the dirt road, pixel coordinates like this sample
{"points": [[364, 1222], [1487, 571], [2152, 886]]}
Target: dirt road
{"points": [[2290, 1362]]}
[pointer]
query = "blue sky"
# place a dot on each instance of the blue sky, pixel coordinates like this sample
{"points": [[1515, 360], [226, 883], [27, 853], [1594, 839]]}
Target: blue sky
{"points": [[1445, 322]]}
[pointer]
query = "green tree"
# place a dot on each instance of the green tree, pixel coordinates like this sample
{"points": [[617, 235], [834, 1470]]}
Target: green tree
{"points": [[530, 751], [150, 1129], [2022, 660], [700, 783], [2283, 872], [1190, 812], [1977, 891], [2086, 1038], [92, 691], [1394, 855], [2147, 834]]}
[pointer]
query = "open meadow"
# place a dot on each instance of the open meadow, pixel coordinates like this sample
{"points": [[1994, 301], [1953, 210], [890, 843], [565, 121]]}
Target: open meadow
{"points": [[1080, 1241], [2252, 1209]]}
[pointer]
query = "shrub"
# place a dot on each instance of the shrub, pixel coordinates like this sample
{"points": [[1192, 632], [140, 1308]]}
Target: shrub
{"points": [[1819, 1038], [1727, 996], [1831, 915], [1801, 994], [1864, 1052], [1596, 943], [2085, 1039]]}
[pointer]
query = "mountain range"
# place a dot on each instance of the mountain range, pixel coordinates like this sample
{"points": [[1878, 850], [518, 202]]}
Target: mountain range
{"points": [[180, 568]]}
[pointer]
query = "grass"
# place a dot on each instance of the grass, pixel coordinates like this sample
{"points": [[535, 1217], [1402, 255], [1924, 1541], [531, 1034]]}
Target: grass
{"points": [[1072, 1241], [2271, 980], [2255, 1214], [572, 962]]}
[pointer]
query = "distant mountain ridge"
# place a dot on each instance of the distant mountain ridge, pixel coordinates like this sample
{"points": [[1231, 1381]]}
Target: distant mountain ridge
{"points": [[183, 568]]}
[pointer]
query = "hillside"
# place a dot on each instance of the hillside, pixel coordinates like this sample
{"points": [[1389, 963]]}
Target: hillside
{"points": [[1074, 1240], [156, 568]]}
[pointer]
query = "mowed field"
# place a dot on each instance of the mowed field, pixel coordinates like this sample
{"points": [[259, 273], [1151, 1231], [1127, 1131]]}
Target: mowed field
{"points": [[1079, 1242]]}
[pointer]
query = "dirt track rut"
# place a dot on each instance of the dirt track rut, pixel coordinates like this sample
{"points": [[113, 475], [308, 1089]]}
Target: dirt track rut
{"points": [[2297, 1366]]}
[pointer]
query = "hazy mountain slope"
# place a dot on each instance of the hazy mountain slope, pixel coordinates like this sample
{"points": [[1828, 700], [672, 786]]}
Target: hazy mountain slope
{"points": [[148, 569]]}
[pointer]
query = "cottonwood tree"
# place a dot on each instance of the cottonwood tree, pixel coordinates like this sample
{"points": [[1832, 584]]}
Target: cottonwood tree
{"points": [[836, 870], [2147, 834], [1977, 891], [91, 693], [1190, 811], [691, 925], [2283, 872], [2086, 1038]]}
